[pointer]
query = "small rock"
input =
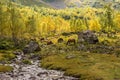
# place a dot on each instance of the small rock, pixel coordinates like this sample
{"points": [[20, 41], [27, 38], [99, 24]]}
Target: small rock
{"points": [[12, 75], [32, 78], [21, 74], [70, 56], [42, 73], [36, 57], [18, 52]]}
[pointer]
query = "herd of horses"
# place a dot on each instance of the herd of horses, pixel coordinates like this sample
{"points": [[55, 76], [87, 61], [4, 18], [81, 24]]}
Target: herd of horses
{"points": [[60, 40]]}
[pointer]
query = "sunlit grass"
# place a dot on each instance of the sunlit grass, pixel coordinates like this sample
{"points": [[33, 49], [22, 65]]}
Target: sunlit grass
{"points": [[5, 68], [85, 65]]}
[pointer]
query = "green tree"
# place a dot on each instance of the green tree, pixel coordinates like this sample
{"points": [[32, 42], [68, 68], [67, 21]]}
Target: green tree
{"points": [[16, 23], [109, 14]]}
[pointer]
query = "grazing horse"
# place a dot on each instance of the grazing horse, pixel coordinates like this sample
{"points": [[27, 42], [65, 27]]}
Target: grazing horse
{"points": [[49, 42], [60, 40], [71, 41], [42, 39]]}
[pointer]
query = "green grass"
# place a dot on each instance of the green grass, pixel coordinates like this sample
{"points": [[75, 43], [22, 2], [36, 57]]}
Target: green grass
{"points": [[1, 57], [5, 68], [86, 66], [6, 56]]}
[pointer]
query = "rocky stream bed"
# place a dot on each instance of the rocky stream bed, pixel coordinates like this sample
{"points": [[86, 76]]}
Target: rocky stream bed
{"points": [[32, 72]]}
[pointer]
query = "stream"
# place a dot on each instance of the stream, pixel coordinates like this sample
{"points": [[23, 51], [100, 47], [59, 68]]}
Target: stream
{"points": [[32, 72]]}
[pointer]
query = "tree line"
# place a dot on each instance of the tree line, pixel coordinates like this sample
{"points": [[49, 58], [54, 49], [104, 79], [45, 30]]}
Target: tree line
{"points": [[19, 22]]}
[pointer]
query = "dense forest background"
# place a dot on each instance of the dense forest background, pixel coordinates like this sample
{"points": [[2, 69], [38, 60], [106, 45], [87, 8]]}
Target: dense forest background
{"points": [[22, 22]]}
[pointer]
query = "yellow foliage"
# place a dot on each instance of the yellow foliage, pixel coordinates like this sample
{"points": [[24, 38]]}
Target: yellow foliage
{"points": [[62, 25], [33, 21], [117, 20], [94, 25]]}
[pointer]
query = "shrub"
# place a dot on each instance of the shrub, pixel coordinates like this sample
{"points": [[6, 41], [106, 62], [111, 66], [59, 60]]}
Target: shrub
{"points": [[9, 56], [5, 45], [26, 61]]}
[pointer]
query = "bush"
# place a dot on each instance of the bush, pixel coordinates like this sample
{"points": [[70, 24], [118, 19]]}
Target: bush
{"points": [[5, 45], [26, 61], [9, 56]]}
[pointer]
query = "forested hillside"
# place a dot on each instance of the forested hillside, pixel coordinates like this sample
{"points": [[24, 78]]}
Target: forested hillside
{"points": [[84, 42], [35, 21]]}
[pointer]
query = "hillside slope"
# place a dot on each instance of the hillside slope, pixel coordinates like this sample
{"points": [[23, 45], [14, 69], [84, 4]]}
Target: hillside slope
{"points": [[61, 4], [32, 3], [81, 3]]}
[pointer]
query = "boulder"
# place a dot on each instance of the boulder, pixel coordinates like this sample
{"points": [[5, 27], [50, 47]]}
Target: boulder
{"points": [[32, 47], [88, 36]]}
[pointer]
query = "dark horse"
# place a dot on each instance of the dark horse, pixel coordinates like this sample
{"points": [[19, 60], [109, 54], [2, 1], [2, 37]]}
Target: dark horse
{"points": [[49, 42], [42, 39], [71, 41], [60, 40]]}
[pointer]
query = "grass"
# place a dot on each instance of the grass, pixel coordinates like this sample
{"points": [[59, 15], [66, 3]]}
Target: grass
{"points": [[5, 68], [6, 55], [86, 66], [5, 58]]}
